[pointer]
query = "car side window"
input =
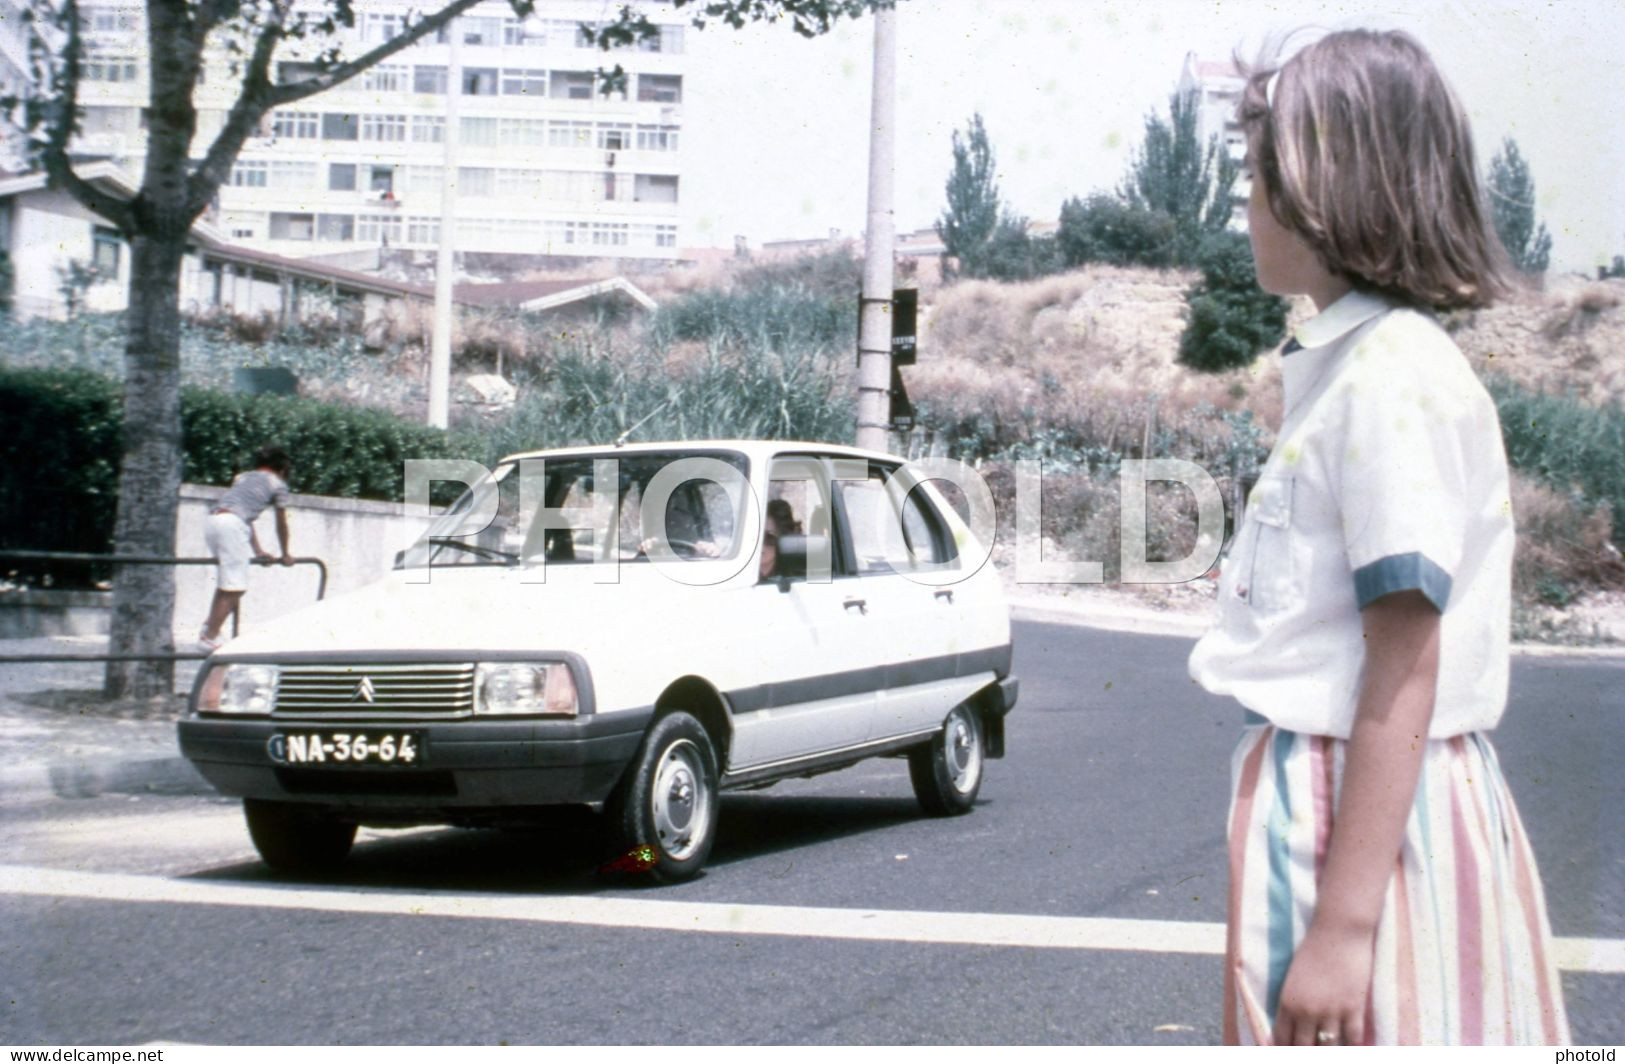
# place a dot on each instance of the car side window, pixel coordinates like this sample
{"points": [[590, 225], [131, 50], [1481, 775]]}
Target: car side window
{"points": [[798, 517], [891, 533]]}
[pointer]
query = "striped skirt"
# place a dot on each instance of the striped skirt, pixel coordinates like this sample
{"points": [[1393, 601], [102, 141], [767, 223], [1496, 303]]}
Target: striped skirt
{"points": [[1463, 948]]}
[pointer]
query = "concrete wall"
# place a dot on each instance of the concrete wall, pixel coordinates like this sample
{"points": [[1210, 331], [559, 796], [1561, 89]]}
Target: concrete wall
{"points": [[357, 538]]}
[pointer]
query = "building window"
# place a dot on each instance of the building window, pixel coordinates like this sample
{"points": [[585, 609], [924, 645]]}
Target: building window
{"points": [[656, 188], [286, 226], [383, 127], [296, 73], [657, 138], [422, 230], [524, 83], [611, 234], [250, 173], [341, 177], [295, 125], [107, 20], [614, 137], [571, 85], [242, 233], [478, 132], [391, 77], [430, 80], [668, 40], [519, 184], [428, 129], [660, 88], [335, 227], [421, 181], [382, 228], [479, 81], [522, 133], [476, 30], [339, 127], [381, 179], [109, 67], [292, 174], [476, 181], [104, 250], [379, 27], [569, 135]]}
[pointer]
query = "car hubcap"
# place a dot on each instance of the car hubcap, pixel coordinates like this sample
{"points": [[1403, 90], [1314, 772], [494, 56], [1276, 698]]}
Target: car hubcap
{"points": [[681, 804], [964, 754]]}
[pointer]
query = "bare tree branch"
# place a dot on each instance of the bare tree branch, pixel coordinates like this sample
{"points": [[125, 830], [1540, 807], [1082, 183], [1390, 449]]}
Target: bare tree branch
{"points": [[252, 104], [60, 127], [286, 94]]}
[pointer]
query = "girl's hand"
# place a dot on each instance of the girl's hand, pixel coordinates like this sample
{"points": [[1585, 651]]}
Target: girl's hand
{"points": [[1325, 990]]}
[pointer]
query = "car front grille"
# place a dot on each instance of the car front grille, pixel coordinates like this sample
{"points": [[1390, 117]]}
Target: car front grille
{"points": [[364, 690]]}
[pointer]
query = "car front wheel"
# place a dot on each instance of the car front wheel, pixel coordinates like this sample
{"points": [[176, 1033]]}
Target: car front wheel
{"points": [[666, 807], [292, 838], [947, 772]]}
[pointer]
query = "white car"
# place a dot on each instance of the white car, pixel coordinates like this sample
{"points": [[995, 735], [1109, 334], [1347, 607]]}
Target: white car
{"points": [[637, 627]]}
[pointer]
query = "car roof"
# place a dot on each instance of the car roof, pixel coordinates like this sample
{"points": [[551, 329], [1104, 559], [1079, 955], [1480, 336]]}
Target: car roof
{"points": [[753, 449]]}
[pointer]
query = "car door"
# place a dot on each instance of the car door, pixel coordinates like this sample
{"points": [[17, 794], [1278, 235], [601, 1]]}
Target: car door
{"points": [[821, 646]]}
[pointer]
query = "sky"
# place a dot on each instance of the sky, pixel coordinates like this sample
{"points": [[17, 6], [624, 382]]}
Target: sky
{"points": [[776, 126]]}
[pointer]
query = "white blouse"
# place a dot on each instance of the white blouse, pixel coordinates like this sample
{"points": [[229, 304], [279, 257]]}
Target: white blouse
{"points": [[1388, 474]]}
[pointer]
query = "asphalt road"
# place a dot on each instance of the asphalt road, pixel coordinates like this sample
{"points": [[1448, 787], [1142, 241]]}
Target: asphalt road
{"points": [[1110, 805]]}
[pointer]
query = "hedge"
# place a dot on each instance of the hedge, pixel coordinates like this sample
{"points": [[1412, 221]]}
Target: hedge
{"points": [[59, 456]]}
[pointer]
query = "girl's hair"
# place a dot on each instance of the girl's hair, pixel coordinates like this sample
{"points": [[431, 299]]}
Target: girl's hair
{"points": [[1366, 155]]}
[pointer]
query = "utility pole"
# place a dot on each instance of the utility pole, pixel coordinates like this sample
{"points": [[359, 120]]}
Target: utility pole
{"points": [[440, 346], [874, 322]]}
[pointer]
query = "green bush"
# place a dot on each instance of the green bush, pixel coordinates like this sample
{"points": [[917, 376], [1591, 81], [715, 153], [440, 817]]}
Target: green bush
{"points": [[1568, 444], [59, 458], [1105, 229], [1231, 319]]}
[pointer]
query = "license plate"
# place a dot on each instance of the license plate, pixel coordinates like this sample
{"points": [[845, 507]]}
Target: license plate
{"points": [[402, 749]]}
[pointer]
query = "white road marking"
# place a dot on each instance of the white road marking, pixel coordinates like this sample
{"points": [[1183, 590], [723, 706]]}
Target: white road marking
{"points": [[1593, 955]]}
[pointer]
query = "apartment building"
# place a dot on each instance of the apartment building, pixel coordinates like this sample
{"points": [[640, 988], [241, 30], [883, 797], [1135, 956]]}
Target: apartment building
{"points": [[1217, 87], [545, 164]]}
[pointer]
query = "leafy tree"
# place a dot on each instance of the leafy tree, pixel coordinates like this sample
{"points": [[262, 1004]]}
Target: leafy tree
{"points": [[177, 185], [1014, 254], [1105, 229], [1174, 173], [1231, 319], [1616, 270], [1512, 209], [973, 199]]}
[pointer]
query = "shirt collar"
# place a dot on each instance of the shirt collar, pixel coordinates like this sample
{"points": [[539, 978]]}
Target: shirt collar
{"points": [[1351, 311]]}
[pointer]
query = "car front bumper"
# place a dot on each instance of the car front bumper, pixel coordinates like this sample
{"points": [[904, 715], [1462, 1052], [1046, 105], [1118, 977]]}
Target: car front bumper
{"points": [[467, 764]]}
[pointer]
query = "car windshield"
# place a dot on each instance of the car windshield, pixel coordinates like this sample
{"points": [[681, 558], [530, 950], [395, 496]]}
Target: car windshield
{"points": [[557, 510]]}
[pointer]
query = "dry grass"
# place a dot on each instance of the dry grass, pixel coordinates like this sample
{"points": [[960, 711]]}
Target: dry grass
{"points": [[1563, 547], [1569, 338]]}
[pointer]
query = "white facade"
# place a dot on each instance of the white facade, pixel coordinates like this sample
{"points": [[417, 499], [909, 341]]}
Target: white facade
{"points": [[545, 164], [1218, 86]]}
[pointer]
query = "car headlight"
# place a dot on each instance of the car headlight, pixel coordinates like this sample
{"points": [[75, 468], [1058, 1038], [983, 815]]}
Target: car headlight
{"points": [[238, 689], [523, 687]]}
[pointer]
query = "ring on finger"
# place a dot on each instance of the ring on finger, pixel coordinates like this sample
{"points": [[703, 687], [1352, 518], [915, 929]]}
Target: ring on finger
{"points": [[1324, 1037]]}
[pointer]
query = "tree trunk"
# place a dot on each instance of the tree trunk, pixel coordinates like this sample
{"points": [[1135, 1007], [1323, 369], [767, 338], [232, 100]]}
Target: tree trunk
{"points": [[150, 477]]}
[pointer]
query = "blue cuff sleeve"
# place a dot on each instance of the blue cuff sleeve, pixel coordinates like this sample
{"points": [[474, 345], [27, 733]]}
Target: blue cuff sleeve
{"points": [[1402, 572]]}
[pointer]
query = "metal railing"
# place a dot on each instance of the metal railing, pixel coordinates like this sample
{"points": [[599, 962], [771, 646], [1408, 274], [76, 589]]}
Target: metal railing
{"points": [[139, 559]]}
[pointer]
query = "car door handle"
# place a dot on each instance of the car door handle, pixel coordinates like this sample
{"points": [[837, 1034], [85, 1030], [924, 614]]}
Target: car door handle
{"points": [[943, 595], [861, 604]]}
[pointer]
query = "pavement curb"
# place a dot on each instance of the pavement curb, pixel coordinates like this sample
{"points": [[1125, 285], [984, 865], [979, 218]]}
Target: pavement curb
{"points": [[90, 777]]}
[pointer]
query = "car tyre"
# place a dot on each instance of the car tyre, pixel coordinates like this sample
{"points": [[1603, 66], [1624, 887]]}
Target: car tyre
{"points": [[295, 838], [947, 772], [668, 801]]}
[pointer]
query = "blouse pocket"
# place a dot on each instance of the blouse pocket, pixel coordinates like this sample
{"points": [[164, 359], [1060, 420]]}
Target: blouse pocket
{"points": [[1268, 582]]}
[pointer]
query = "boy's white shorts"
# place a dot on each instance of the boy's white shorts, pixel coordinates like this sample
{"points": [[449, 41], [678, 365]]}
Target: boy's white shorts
{"points": [[229, 541]]}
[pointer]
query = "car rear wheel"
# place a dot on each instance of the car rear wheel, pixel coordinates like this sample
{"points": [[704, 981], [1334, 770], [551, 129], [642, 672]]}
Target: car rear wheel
{"points": [[667, 804], [295, 838], [947, 772]]}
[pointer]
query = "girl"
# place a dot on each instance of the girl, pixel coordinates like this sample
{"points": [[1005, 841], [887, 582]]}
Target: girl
{"points": [[1382, 889]]}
